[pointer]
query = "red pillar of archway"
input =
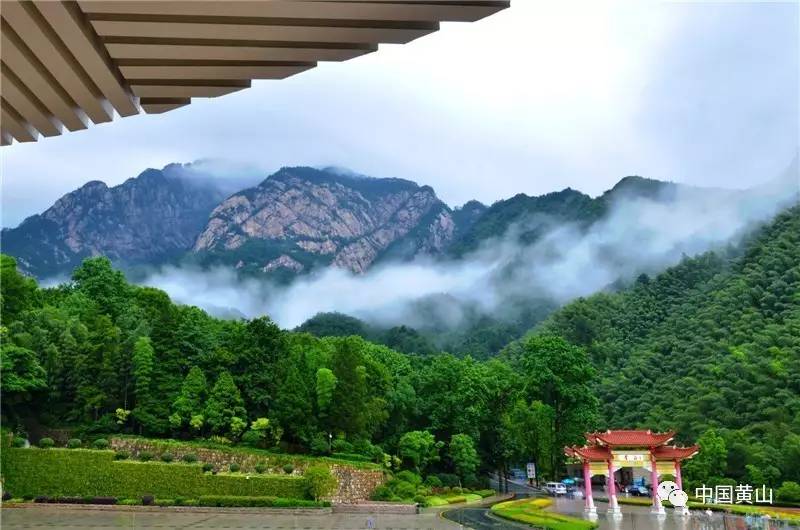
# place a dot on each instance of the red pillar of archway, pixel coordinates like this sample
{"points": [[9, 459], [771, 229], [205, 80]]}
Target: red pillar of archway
{"points": [[587, 488], [657, 507], [613, 505]]}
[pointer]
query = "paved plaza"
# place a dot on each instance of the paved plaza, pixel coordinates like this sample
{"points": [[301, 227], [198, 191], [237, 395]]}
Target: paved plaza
{"points": [[67, 518]]}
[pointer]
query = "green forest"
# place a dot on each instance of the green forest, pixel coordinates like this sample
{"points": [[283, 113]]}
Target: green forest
{"points": [[710, 348]]}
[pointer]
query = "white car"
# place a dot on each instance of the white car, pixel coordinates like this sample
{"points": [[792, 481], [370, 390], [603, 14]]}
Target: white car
{"points": [[555, 489]]}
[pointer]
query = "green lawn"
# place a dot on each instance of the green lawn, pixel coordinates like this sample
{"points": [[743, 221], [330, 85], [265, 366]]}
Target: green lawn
{"points": [[532, 512]]}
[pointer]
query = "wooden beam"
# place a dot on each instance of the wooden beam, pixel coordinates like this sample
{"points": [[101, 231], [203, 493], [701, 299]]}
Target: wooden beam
{"points": [[15, 124], [52, 53], [321, 13], [26, 104], [132, 73], [68, 23], [121, 52], [304, 36], [39, 81], [184, 91], [161, 105]]}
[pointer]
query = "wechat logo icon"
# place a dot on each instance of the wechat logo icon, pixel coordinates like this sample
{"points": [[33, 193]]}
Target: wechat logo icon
{"points": [[669, 491]]}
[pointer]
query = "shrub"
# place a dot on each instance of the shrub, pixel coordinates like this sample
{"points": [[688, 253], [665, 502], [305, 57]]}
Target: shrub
{"points": [[167, 457], [354, 457], [100, 443], [189, 458], [340, 445], [288, 469], [260, 468], [18, 441], [789, 492], [74, 443], [220, 440], [433, 481], [252, 438], [381, 493], [46, 443], [410, 477], [404, 490], [165, 502], [485, 493], [458, 490], [320, 482], [122, 455], [130, 502], [448, 479], [208, 467], [455, 500], [235, 467], [231, 501], [419, 499], [75, 500], [145, 456]]}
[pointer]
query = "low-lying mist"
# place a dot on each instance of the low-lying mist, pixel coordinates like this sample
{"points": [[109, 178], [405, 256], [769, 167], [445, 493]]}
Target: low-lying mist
{"points": [[637, 235]]}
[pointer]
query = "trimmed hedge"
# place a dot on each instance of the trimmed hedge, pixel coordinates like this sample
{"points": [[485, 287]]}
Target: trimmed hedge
{"points": [[257, 502], [86, 472]]}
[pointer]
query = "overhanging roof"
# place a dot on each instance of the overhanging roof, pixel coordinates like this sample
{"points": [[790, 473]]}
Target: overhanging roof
{"points": [[66, 64]]}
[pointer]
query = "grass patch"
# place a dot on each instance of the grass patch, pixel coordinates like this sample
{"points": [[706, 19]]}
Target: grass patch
{"points": [[531, 511], [435, 500], [444, 500]]}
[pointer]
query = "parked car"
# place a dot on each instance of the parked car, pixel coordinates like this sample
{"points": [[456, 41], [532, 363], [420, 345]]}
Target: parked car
{"points": [[555, 489], [638, 491]]}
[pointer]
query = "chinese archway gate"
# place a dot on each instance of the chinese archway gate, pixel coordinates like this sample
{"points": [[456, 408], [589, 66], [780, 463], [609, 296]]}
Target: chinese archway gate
{"points": [[610, 451]]}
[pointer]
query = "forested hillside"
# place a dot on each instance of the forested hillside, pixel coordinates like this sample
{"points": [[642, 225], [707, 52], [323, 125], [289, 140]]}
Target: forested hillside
{"points": [[710, 348], [100, 356]]}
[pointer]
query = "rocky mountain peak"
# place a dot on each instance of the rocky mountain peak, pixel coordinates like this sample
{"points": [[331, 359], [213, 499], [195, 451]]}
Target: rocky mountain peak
{"points": [[319, 217], [142, 220]]}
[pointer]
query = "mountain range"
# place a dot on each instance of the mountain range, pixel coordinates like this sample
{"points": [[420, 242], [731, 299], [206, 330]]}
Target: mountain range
{"points": [[296, 221]]}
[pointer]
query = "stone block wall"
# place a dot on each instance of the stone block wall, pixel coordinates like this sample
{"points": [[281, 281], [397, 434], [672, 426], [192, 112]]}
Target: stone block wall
{"points": [[355, 484]]}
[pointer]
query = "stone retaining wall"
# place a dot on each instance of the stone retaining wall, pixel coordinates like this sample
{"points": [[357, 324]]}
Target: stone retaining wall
{"points": [[376, 508], [355, 485]]}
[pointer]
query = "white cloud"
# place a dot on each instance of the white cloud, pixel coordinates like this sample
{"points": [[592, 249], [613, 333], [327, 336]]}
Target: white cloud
{"points": [[539, 97]]}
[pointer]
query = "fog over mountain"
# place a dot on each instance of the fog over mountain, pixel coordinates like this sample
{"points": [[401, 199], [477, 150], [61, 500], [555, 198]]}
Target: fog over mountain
{"points": [[639, 233]]}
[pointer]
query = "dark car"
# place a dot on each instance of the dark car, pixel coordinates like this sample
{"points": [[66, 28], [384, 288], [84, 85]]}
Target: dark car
{"points": [[638, 491]]}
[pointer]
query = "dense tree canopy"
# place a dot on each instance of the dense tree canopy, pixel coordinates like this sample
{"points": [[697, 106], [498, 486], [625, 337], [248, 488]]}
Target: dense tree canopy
{"points": [[101, 355], [710, 348]]}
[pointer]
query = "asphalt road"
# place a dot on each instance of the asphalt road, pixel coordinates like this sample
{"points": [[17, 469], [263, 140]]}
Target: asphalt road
{"points": [[478, 517]]}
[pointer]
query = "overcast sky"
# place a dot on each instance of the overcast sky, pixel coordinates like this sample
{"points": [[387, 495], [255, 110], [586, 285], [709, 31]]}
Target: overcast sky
{"points": [[539, 97]]}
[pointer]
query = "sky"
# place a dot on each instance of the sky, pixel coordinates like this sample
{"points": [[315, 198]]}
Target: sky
{"points": [[542, 96]]}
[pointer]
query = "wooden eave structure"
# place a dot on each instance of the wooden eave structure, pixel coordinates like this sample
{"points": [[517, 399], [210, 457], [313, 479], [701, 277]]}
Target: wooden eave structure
{"points": [[71, 64]]}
